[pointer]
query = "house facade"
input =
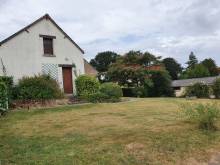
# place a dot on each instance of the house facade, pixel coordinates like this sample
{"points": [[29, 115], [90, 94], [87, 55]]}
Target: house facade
{"points": [[42, 48], [180, 86]]}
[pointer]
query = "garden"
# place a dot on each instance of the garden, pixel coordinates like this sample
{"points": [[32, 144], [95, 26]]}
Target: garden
{"points": [[140, 131], [107, 129], [150, 127]]}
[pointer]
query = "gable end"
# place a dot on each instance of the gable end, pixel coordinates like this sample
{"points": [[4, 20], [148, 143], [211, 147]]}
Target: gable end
{"points": [[47, 17]]}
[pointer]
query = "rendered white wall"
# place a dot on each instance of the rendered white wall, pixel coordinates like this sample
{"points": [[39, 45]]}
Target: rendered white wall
{"points": [[23, 55]]}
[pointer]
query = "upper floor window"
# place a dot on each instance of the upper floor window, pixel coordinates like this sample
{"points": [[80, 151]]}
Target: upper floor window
{"points": [[48, 45]]}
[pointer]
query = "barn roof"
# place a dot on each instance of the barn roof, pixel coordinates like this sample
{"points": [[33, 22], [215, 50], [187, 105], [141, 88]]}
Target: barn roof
{"points": [[46, 16], [190, 82]]}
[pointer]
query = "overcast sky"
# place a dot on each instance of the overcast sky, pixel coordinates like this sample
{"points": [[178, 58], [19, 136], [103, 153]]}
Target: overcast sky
{"points": [[170, 28]]}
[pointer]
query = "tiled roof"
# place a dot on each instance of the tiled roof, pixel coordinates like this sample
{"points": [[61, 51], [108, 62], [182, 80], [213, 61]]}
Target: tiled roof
{"points": [[189, 82], [89, 70]]}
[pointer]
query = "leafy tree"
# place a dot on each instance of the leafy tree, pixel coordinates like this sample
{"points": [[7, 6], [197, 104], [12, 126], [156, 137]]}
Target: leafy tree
{"points": [[103, 60], [148, 59], [126, 75], [192, 60], [130, 71], [161, 84], [132, 57], [211, 66], [198, 71], [172, 67]]}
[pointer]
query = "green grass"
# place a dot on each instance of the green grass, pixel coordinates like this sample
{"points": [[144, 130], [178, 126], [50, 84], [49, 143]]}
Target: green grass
{"points": [[140, 132]]}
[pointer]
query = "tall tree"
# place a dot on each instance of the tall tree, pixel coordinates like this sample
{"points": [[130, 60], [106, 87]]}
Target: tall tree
{"points": [[103, 60], [211, 66], [132, 57], [148, 59], [173, 67], [198, 71], [192, 60]]}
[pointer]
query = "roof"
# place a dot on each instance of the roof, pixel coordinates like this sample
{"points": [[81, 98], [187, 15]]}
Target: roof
{"points": [[46, 16], [89, 70], [190, 82]]}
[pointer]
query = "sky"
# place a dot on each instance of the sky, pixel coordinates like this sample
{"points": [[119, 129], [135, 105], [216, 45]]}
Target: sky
{"points": [[167, 28]]}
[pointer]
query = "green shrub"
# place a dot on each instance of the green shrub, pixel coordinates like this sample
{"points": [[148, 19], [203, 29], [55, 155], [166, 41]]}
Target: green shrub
{"points": [[161, 84], [112, 91], [199, 90], [8, 81], [109, 92], [86, 85], [204, 115], [216, 88], [3, 98], [97, 97], [140, 92], [41, 87]]}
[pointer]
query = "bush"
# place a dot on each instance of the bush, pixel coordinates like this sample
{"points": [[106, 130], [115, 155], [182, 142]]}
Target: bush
{"points": [[204, 115], [86, 85], [139, 92], [8, 81], [38, 88], [161, 84], [199, 90], [109, 92], [216, 88], [97, 97], [112, 91], [3, 98]]}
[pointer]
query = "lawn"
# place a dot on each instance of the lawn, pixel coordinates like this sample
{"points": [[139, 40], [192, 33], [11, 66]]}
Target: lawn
{"points": [[139, 132]]}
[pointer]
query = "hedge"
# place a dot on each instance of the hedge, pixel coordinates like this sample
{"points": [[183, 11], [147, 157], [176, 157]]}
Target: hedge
{"points": [[8, 81], [112, 90], [86, 85], [199, 90], [3, 96], [40, 87], [216, 88]]}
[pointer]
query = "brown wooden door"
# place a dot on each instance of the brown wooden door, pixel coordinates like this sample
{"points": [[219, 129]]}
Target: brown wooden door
{"points": [[67, 80]]}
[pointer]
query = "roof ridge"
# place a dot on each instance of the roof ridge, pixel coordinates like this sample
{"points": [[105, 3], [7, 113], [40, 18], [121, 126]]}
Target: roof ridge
{"points": [[45, 16]]}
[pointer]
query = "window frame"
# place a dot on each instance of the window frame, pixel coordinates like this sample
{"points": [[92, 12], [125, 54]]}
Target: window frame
{"points": [[48, 52]]}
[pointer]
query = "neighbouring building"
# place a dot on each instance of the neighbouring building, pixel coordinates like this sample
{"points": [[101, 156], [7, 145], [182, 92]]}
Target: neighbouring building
{"points": [[42, 48], [89, 69], [180, 86]]}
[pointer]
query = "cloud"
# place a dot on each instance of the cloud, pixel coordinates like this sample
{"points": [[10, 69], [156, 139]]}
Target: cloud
{"points": [[164, 27]]}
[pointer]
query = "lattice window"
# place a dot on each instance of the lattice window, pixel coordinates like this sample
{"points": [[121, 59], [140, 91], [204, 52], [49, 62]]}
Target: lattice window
{"points": [[50, 69]]}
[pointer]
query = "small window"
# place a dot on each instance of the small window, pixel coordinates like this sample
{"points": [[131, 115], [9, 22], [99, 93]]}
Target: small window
{"points": [[48, 46], [177, 88]]}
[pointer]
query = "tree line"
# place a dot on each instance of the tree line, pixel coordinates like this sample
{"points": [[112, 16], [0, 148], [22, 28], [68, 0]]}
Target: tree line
{"points": [[108, 60]]}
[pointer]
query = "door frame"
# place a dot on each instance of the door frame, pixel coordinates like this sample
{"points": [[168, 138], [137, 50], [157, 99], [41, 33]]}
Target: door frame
{"points": [[71, 78]]}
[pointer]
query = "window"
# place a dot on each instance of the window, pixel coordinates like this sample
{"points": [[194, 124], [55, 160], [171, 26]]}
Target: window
{"points": [[48, 46], [177, 88]]}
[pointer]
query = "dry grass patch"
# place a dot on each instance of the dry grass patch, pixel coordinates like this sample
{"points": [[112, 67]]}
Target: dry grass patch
{"points": [[144, 131]]}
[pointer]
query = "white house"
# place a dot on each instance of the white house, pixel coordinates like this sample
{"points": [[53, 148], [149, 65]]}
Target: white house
{"points": [[42, 48]]}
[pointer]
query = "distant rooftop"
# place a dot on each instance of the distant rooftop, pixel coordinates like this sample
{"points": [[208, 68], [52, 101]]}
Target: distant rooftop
{"points": [[89, 70], [190, 82]]}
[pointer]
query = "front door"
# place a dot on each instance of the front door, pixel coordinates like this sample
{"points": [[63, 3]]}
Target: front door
{"points": [[67, 80]]}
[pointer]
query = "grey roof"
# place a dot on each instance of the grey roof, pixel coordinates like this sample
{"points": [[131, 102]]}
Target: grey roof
{"points": [[190, 82]]}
